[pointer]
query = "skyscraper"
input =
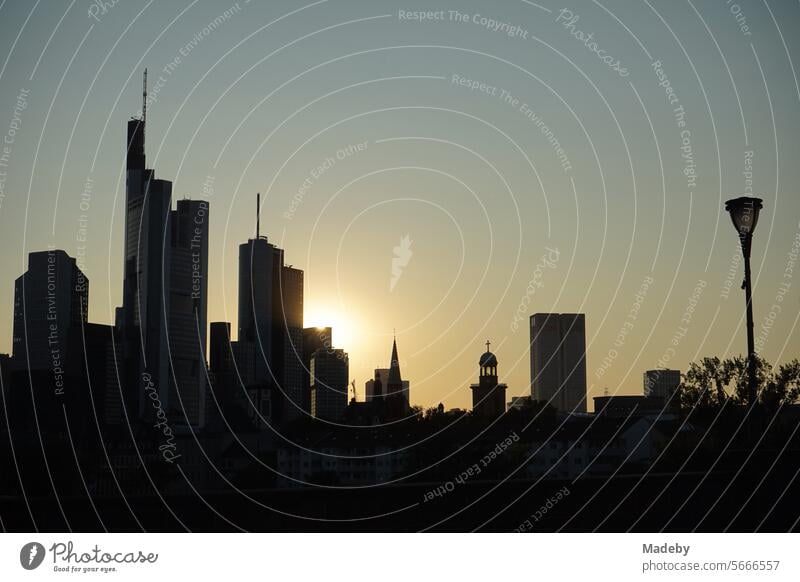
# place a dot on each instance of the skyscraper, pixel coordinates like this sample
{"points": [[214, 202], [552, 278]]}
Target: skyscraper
{"points": [[162, 322], [558, 360], [291, 332], [271, 321], [50, 303], [259, 276], [314, 338], [188, 305], [59, 358], [330, 369], [145, 301], [661, 383]]}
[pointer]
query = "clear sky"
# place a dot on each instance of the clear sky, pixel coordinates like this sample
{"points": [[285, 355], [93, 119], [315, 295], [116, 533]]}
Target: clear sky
{"points": [[435, 175]]}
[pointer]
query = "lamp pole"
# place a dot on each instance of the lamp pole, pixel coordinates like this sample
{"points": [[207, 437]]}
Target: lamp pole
{"points": [[744, 214], [752, 396]]}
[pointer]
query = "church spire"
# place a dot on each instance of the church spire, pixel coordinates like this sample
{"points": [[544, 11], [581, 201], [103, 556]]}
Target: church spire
{"points": [[395, 380]]}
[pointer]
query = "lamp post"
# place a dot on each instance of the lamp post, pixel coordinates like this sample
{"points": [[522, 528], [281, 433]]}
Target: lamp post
{"points": [[744, 214]]}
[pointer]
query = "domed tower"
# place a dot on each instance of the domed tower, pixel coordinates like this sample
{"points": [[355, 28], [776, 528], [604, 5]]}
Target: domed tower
{"points": [[488, 363], [488, 395]]}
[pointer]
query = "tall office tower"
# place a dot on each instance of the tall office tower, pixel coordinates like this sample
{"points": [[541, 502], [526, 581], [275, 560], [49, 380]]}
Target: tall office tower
{"points": [[314, 338], [50, 303], [291, 337], [395, 391], [330, 371], [488, 395], [558, 360], [146, 275], [260, 266], [271, 319], [50, 308], [188, 305], [661, 383]]}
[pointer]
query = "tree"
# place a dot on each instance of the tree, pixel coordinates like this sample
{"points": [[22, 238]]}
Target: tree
{"points": [[711, 383]]}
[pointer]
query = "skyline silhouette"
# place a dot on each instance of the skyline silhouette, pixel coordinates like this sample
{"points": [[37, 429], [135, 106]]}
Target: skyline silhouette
{"points": [[346, 267], [626, 221]]}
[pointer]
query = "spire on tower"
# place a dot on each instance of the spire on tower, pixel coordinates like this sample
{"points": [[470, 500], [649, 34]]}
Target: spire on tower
{"points": [[395, 380], [258, 216], [144, 96], [135, 138]]}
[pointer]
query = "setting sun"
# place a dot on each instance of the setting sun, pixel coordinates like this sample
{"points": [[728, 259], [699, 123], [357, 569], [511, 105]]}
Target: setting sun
{"points": [[344, 324]]}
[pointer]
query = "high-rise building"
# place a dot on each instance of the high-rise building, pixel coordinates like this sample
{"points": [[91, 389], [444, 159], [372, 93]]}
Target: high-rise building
{"points": [[50, 303], [291, 337], [271, 320], [314, 338], [330, 369], [488, 395], [259, 279], [66, 375], [558, 360], [188, 305], [162, 322], [145, 301], [661, 383]]}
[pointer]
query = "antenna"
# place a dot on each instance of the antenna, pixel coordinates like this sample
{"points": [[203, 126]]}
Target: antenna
{"points": [[144, 102], [258, 215]]}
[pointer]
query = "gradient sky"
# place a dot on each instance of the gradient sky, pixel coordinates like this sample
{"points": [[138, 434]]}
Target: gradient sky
{"points": [[261, 101]]}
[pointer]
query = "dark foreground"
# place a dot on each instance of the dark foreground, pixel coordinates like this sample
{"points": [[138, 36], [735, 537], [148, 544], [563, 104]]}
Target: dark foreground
{"points": [[763, 497]]}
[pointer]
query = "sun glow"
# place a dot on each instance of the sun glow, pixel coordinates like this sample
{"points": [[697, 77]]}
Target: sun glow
{"points": [[345, 328]]}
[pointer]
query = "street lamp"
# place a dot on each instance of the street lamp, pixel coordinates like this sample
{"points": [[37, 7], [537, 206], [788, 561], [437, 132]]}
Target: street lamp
{"points": [[744, 214]]}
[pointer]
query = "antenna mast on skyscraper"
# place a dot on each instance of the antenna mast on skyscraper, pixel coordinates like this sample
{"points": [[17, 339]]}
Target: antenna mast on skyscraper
{"points": [[258, 216], [144, 102]]}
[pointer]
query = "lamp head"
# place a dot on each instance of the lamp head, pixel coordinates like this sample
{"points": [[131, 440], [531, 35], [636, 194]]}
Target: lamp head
{"points": [[744, 214]]}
